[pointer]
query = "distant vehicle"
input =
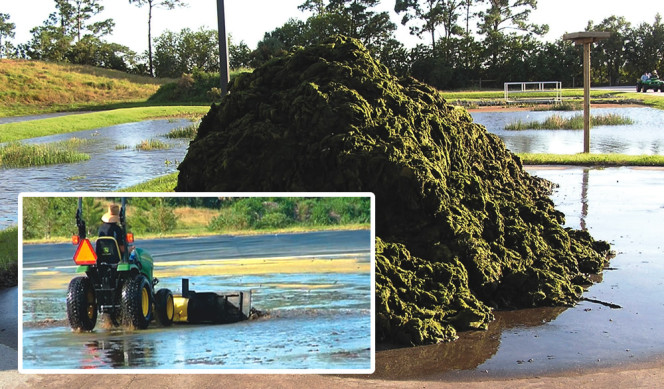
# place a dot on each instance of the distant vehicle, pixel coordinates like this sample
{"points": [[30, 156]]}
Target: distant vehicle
{"points": [[653, 83]]}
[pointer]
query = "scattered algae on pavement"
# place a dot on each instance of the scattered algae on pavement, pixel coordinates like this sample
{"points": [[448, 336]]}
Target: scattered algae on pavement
{"points": [[461, 227]]}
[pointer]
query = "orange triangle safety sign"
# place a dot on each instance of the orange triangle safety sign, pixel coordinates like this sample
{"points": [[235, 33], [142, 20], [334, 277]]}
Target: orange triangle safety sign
{"points": [[85, 255]]}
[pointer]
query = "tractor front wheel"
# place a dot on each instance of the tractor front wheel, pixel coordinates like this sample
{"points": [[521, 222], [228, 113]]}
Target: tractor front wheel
{"points": [[137, 302], [81, 304], [165, 307]]}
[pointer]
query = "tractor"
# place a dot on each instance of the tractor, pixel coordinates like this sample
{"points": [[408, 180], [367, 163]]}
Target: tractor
{"points": [[116, 283], [122, 285]]}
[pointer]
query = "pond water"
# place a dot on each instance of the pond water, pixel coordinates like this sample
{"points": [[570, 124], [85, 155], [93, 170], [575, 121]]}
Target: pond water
{"points": [[645, 136], [108, 169]]}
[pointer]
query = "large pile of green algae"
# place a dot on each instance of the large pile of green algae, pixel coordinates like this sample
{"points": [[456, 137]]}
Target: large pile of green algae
{"points": [[461, 227]]}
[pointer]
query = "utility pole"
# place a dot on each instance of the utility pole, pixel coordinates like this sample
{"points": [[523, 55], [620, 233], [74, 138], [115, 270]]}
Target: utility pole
{"points": [[586, 38], [224, 73]]}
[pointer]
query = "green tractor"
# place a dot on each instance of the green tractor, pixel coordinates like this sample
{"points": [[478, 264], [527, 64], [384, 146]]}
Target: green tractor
{"points": [[653, 83], [116, 283]]}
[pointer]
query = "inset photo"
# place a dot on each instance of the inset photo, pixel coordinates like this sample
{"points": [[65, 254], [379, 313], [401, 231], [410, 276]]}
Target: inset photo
{"points": [[196, 283]]}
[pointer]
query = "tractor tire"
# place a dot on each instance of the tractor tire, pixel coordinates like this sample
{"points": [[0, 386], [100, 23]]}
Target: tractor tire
{"points": [[165, 307], [81, 304], [638, 88], [137, 302]]}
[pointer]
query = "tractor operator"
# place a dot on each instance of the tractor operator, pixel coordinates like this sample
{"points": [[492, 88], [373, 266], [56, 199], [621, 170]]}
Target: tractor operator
{"points": [[112, 228]]}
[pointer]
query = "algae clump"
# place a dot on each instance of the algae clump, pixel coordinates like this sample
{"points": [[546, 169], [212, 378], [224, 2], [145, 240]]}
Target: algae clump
{"points": [[461, 227]]}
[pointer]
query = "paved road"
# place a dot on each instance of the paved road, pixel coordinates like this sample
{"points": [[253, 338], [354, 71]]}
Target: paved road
{"points": [[219, 247]]}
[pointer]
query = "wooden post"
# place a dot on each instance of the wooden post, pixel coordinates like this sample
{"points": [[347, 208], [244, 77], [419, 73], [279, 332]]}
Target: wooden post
{"points": [[586, 97], [224, 73], [586, 38]]}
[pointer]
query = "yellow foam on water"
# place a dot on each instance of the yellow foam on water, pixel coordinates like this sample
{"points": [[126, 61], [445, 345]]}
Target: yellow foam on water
{"points": [[54, 280]]}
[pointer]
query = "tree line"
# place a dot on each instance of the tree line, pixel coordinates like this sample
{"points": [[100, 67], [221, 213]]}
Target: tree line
{"points": [[466, 43], [51, 217]]}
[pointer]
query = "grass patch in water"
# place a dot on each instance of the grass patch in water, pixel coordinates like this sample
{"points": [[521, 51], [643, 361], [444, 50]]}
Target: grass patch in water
{"points": [[152, 144], [557, 122], [16, 154], [582, 159], [188, 132]]}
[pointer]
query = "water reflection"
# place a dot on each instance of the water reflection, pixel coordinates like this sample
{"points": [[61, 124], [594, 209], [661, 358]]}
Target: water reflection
{"points": [[118, 353], [471, 350], [642, 137]]}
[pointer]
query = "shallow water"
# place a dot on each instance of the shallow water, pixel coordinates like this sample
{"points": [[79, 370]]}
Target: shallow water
{"points": [[645, 136], [623, 206], [316, 321], [107, 170]]}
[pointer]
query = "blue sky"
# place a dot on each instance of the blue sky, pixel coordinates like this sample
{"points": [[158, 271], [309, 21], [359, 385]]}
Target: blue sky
{"points": [[248, 20]]}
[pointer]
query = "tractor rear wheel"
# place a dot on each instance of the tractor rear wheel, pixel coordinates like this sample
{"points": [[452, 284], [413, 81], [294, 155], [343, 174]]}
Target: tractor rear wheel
{"points": [[165, 307], [81, 304], [137, 302]]}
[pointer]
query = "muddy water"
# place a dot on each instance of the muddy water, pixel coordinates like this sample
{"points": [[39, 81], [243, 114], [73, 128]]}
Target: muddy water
{"points": [[624, 206], [316, 321], [108, 169], [645, 136]]}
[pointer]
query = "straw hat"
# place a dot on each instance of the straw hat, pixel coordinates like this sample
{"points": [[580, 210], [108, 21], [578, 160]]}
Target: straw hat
{"points": [[113, 214]]}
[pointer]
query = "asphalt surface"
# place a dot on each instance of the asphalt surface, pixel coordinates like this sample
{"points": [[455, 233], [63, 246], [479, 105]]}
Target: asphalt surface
{"points": [[217, 247]]}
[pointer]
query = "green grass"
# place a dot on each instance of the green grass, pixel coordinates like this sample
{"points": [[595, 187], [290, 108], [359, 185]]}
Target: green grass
{"points": [[592, 159], [9, 257], [651, 100], [188, 132], [16, 154], [152, 144], [557, 122], [60, 125], [165, 183], [8, 247]]}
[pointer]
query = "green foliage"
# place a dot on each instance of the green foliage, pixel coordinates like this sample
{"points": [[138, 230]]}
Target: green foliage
{"points": [[151, 215], [351, 18], [6, 31], [199, 87], [281, 212]]}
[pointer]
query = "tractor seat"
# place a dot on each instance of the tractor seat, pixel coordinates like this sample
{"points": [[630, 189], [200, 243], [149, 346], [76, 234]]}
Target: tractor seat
{"points": [[107, 250]]}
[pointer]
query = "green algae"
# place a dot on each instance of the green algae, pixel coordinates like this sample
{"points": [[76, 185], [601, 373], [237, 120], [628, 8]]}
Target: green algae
{"points": [[461, 227]]}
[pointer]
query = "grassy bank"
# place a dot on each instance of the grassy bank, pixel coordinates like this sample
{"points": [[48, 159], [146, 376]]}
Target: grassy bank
{"points": [[592, 159], [35, 128], [33, 87], [162, 184], [557, 122]]}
